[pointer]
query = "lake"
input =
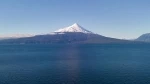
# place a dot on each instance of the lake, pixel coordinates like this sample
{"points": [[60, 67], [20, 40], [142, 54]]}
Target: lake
{"points": [[75, 64]]}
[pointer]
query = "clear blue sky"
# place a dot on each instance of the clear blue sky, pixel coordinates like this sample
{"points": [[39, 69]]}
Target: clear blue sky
{"points": [[112, 18]]}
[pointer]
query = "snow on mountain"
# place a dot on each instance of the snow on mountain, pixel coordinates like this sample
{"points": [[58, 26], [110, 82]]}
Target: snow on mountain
{"points": [[74, 28]]}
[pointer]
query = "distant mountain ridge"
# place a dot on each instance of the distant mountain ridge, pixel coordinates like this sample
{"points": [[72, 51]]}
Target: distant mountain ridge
{"points": [[144, 38], [13, 36]]}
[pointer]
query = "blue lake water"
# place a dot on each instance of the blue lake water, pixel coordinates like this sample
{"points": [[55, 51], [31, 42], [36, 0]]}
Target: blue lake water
{"points": [[75, 64]]}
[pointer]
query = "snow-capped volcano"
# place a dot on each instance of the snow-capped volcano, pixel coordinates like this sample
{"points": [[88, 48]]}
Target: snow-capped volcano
{"points": [[71, 34], [73, 28]]}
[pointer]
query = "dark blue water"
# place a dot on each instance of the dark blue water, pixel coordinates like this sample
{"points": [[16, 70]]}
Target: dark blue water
{"points": [[75, 64]]}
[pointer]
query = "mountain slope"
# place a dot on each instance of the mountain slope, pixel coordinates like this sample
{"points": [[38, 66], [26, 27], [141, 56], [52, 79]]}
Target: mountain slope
{"points": [[69, 37], [144, 38]]}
